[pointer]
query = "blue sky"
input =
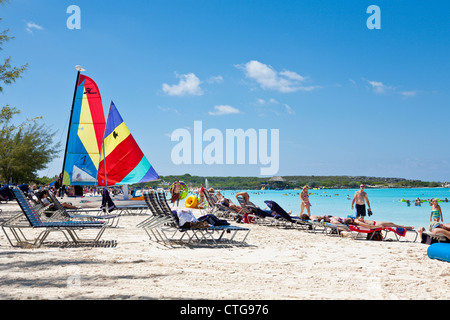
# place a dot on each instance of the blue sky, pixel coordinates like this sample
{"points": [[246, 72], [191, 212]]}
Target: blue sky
{"points": [[346, 100]]}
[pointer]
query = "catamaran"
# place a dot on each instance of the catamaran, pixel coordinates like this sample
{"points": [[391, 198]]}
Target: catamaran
{"points": [[99, 152]]}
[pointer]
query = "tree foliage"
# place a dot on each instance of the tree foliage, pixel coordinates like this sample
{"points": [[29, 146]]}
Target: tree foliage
{"points": [[24, 148], [292, 182]]}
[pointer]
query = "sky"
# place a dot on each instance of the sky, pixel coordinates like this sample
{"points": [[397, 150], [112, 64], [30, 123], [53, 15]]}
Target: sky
{"points": [[344, 98]]}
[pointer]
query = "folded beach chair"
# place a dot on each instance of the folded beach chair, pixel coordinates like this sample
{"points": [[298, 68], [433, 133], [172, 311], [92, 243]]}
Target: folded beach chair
{"points": [[17, 225], [62, 213]]}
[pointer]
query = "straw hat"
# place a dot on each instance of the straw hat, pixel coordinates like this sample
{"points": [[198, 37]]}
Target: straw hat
{"points": [[433, 225]]}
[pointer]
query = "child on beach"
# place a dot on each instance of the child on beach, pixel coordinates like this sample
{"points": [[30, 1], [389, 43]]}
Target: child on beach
{"points": [[436, 212]]}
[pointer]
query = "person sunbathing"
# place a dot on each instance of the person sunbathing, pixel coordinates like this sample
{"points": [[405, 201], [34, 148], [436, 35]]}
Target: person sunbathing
{"points": [[369, 224], [440, 228], [427, 239], [316, 218], [228, 203]]}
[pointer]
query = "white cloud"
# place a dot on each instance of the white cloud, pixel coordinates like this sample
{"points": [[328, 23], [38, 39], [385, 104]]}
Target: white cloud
{"points": [[268, 78], [171, 110], [215, 79], [223, 110], [408, 94], [32, 25], [289, 110], [262, 102], [379, 87], [189, 85]]}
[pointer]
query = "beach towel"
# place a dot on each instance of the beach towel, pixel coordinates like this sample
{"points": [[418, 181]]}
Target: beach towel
{"points": [[362, 229], [400, 231], [185, 218]]}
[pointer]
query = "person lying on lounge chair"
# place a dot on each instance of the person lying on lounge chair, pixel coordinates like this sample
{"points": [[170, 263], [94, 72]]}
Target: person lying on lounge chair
{"points": [[369, 224], [228, 203], [334, 220], [427, 239], [49, 205], [246, 198], [317, 218], [440, 228]]}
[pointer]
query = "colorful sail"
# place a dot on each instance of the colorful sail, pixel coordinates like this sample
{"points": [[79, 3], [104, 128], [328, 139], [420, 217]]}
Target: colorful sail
{"points": [[124, 160], [85, 135]]}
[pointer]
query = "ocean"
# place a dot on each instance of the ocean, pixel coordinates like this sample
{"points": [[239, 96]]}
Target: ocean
{"points": [[385, 203]]}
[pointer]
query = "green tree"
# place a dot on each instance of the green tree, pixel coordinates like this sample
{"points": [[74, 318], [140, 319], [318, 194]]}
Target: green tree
{"points": [[24, 149], [8, 73], [27, 147]]}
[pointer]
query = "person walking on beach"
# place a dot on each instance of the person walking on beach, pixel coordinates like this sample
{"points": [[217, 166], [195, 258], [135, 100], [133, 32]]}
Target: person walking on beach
{"points": [[175, 191], [436, 211], [304, 198], [361, 198]]}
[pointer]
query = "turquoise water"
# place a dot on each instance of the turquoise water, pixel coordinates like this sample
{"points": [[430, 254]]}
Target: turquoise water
{"points": [[384, 202]]}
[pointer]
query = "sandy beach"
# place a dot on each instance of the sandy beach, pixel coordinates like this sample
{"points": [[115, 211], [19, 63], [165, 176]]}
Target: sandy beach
{"points": [[275, 264]]}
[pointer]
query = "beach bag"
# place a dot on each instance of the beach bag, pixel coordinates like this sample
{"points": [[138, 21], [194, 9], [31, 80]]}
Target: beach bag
{"points": [[376, 236], [248, 219]]}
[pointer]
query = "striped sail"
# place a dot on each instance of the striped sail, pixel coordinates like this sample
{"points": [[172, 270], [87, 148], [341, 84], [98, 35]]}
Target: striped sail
{"points": [[85, 135], [124, 161]]}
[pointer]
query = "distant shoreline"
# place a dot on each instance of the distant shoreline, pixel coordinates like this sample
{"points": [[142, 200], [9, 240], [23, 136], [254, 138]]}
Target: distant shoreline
{"points": [[295, 182]]}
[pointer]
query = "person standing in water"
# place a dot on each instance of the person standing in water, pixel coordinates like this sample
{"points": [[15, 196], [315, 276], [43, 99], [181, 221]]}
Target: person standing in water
{"points": [[436, 211], [360, 199], [304, 198]]}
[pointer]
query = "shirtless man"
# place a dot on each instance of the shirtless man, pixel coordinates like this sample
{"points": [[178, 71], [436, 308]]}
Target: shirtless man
{"points": [[360, 198]]}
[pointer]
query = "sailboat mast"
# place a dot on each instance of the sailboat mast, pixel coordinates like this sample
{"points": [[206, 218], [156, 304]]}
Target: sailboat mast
{"points": [[70, 121]]}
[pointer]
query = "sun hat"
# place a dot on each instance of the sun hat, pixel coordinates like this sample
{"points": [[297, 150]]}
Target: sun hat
{"points": [[433, 225]]}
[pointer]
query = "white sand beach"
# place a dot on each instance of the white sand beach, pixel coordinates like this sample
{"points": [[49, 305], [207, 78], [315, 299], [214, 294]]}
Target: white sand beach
{"points": [[274, 264]]}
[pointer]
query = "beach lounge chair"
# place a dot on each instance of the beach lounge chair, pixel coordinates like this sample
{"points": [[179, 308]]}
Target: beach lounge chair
{"points": [[225, 233], [108, 205], [164, 226], [214, 207], [430, 238], [158, 218], [256, 214], [62, 213], [17, 225], [287, 220], [400, 233]]}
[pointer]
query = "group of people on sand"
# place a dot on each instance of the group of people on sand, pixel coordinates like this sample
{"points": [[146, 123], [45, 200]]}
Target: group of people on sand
{"points": [[436, 226], [360, 200]]}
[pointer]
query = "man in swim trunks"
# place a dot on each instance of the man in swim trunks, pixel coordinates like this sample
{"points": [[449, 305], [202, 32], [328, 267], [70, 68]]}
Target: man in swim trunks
{"points": [[360, 198]]}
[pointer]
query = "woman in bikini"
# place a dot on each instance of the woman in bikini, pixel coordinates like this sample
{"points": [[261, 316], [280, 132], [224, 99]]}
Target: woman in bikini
{"points": [[377, 224], [304, 198]]}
